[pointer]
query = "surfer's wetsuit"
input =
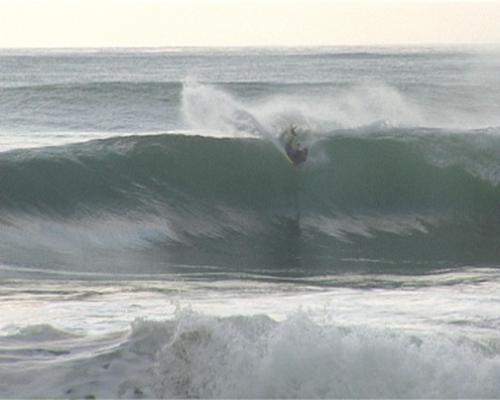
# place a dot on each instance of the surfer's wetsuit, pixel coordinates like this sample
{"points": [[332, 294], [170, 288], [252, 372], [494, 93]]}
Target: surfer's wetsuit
{"points": [[293, 149]]}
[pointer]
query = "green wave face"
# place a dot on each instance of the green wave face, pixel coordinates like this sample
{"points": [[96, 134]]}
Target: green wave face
{"points": [[360, 201]]}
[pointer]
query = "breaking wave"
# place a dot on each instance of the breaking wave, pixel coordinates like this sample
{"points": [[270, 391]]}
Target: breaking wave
{"points": [[194, 356], [362, 194]]}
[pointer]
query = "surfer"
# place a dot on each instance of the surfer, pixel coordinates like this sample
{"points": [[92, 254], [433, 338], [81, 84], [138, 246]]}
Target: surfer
{"points": [[294, 150]]}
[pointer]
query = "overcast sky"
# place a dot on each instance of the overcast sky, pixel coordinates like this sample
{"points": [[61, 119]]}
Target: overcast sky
{"points": [[134, 23]]}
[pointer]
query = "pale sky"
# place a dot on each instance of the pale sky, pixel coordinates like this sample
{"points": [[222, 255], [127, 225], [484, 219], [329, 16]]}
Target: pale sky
{"points": [[165, 23]]}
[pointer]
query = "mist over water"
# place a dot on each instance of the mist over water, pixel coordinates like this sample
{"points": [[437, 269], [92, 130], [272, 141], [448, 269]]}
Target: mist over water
{"points": [[156, 242]]}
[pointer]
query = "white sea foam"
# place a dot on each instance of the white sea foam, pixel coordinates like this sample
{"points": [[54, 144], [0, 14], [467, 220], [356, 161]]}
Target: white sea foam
{"points": [[241, 357], [253, 357]]}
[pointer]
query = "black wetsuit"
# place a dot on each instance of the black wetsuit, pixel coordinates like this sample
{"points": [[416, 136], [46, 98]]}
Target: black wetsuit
{"points": [[296, 154]]}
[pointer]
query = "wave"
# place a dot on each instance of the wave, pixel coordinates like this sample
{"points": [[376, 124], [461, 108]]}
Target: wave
{"points": [[195, 356], [237, 201], [389, 170]]}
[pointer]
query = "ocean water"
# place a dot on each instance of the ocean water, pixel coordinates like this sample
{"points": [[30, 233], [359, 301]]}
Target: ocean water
{"points": [[156, 243]]}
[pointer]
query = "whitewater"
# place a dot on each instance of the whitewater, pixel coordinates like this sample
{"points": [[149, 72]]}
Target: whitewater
{"points": [[155, 242]]}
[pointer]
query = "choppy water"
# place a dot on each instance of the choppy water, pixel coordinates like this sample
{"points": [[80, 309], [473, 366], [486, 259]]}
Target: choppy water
{"points": [[155, 242]]}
